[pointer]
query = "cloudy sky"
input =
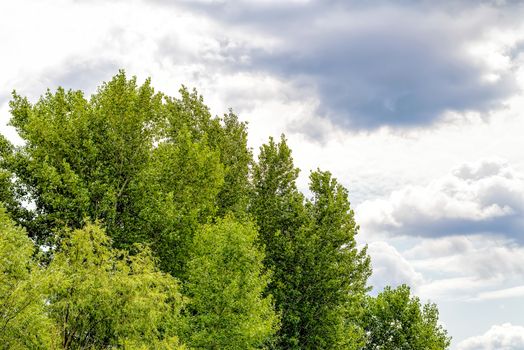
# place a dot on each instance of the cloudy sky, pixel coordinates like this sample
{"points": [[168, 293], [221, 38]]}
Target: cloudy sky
{"points": [[416, 106]]}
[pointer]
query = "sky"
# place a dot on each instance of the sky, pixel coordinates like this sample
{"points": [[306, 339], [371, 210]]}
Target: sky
{"points": [[415, 106]]}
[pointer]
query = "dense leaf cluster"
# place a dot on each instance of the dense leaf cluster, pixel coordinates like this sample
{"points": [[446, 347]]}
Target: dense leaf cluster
{"points": [[136, 220]]}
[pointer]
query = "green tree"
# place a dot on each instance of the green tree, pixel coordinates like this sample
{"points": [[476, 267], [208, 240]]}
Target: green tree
{"points": [[161, 170], [102, 298], [23, 321], [6, 194], [395, 320], [231, 141], [176, 193], [199, 171], [227, 136], [227, 309], [278, 208], [333, 271], [80, 156], [149, 167], [319, 274]]}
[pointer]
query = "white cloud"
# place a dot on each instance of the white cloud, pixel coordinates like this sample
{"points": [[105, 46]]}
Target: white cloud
{"points": [[514, 292], [479, 256], [463, 268], [390, 268], [487, 197], [467, 268], [455, 288], [498, 337], [442, 247], [435, 62]]}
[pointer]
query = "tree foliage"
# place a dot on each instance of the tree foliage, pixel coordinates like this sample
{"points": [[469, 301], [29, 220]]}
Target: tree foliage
{"points": [[176, 193], [193, 239], [319, 274], [149, 167], [395, 320], [102, 297], [225, 284], [334, 271], [80, 156], [23, 321]]}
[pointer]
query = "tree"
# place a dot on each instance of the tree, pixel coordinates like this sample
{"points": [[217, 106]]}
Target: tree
{"points": [[102, 298], [334, 272], [149, 167], [23, 321], [80, 156], [395, 320], [279, 212], [6, 194], [227, 136], [231, 141], [227, 309], [176, 193], [319, 274], [199, 171], [174, 187]]}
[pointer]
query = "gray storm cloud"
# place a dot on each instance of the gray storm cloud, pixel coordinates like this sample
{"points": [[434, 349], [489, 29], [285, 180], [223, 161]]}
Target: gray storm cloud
{"points": [[378, 64]]}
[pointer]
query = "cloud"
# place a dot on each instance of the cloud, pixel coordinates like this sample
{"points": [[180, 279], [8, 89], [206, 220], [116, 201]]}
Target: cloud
{"points": [[465, 228], [481, 256], [83, 75], [363, 65], [386, 64], [73, 73], [453, 288], [4, 97], [441, 247], [470, 268], [466, 268], [390, 268], [498, 337], [487, 197], [514, 292]]}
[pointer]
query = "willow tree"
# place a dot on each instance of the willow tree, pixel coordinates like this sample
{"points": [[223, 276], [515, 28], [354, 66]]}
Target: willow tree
{"points": [[24, 323], [100, 297]]}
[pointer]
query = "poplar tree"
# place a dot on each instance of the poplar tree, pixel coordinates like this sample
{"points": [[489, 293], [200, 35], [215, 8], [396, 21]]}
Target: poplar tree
{"points": [[226, 135], [279, 212], [334, 270], [319, 274]]}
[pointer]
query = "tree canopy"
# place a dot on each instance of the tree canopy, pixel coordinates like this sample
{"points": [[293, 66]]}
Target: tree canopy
{"points": [[395, 320], [132, 219], [23, 321], [149, 166], [319, 274], [225, 283], [102, 297]]}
